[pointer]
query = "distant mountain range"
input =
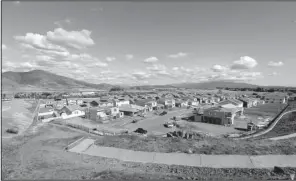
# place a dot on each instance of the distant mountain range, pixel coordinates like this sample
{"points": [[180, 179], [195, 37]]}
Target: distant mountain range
{"points": [[43, 80], [214, 84], [40, 80]]}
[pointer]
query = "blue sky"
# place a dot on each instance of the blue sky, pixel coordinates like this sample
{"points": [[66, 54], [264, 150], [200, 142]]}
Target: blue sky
{"points": [[153, 42]]}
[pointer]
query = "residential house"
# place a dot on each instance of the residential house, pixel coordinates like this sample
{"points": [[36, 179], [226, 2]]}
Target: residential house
{"points": [[149, 104], [254, 101], [42, 105], [71, 111], [76, 94], [106, 103], [247, 103], [221, 115], [120, 102], [234, 102], [261, 101], [168, 103], [191, 101], [88, 93], [181, 103], [79, 102], [101, 114], [46, 114], [128, 110], [198, 114]]}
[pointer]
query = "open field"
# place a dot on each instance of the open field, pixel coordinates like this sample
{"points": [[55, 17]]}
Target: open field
{"points": [[41, 156], [200, 145], [17, 113]]}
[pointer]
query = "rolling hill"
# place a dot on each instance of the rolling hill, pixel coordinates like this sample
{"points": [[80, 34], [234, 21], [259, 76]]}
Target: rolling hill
{"points": [[43, 80], [214, 84]]}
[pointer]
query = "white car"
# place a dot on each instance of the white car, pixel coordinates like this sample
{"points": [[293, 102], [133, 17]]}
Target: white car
{"points": [[169, 124]]}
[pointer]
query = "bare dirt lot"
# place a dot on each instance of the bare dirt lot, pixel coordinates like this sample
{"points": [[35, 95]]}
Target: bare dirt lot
{"points": [[17, 113], [265, 109], [41, 156]]}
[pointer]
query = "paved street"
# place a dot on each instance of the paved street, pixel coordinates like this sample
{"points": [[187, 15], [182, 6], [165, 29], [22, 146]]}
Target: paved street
{"points": [[197, 160]]}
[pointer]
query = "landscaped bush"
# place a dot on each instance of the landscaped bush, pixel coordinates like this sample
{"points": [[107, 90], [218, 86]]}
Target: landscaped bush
{"points": [[13, 130]]}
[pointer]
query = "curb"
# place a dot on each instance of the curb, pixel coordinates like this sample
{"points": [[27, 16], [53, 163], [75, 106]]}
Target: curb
{"points": [[71, 145]]}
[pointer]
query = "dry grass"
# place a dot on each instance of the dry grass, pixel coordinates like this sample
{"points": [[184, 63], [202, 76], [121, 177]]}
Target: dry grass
{"points": [[40, 156], [201, 145], [286, 126]]}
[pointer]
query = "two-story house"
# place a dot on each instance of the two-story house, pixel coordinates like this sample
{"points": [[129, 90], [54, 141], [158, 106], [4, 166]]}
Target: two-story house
{"points": [[220, 115], [168, 103]]}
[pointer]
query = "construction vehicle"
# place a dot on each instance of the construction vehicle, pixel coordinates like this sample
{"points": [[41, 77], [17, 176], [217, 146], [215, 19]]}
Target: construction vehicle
{"points": [[251, 126]]}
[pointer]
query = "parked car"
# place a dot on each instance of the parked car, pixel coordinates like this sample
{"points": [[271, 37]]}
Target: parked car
{"points": [[141, 115], [169, 124], [163, 113], [141, 131]]}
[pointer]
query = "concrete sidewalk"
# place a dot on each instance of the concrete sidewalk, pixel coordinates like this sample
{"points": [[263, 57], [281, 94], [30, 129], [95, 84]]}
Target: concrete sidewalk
{"points": [[196, 160], [82, 146]]}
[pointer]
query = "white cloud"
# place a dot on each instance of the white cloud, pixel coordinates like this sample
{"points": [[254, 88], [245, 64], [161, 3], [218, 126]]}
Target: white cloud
{"points": [[129, 56], [275, 64], [98, 64], [44, 57], [219, 68], [158, 69], [273, 74], [82, 57], [75, 39], [25, 56], [250, 74], [140, 75], [16, 66], [175, 68], [61, 22], [110, 59], [151, 60], [186, 69], [37, 41], [244, 63], [4, 47], [96, 9], [178, 55]]}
